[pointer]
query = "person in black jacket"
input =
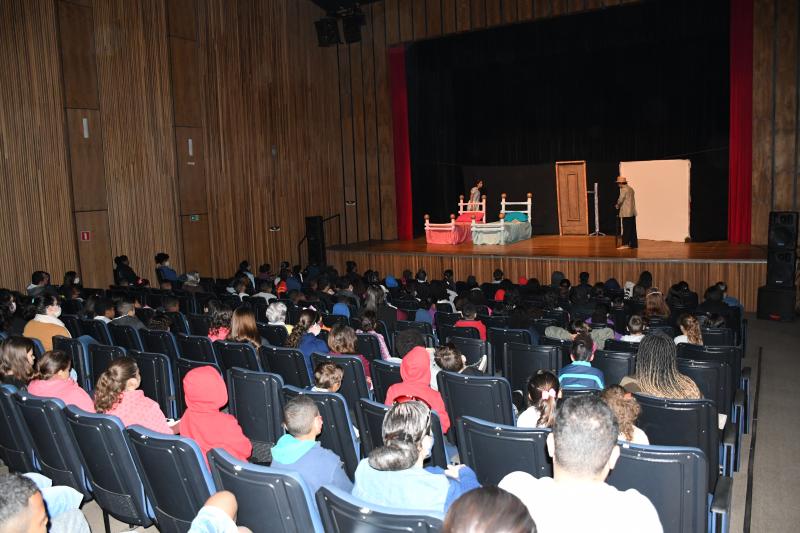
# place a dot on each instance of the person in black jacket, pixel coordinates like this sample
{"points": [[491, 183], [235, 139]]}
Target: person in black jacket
{"points": [[123, 271]]}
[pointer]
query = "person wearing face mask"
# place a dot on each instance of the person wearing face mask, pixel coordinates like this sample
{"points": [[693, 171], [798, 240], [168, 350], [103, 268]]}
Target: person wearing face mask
{"points": [[71, 280], [45, 324], [163, 271], [10, 321], [393, 475], [304, 338]]}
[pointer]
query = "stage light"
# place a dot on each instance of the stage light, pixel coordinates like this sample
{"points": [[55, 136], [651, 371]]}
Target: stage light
{"points": [[327, 31]]}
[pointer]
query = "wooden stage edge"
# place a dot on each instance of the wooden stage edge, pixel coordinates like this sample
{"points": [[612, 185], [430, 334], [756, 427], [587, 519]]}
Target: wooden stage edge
{"points": [[700, 264]]}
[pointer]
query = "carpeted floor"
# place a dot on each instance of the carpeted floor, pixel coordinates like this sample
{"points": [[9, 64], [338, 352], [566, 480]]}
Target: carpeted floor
{"points": [[776, 470]]}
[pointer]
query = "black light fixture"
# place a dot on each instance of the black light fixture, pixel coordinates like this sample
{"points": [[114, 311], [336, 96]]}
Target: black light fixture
{"points": [[327, 31], [351, 25], [349, 11]]}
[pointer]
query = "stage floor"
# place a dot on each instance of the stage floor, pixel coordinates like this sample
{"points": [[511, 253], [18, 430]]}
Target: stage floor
{"points": [[573, 246]]}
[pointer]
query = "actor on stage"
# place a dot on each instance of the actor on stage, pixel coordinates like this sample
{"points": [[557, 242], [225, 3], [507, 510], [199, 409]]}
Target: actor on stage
{"points": [[626, 204], [475, 196]]}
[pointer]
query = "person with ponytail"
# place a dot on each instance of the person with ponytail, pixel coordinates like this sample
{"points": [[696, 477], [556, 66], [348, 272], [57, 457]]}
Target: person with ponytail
{"points": [[657, 371], [117, 393], [16, 361], [44, 323], [393, 475], [690, 330], [52, 380], [304, 338], [543, 393], [369, 321]]}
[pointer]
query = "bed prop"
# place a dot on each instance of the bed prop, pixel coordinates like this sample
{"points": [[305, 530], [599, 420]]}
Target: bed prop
{"points": [[514, 224], [459, 229]]}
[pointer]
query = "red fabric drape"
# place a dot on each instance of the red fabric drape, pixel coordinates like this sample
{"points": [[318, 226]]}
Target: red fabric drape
{"points": [[402, 147], [740, 156]]}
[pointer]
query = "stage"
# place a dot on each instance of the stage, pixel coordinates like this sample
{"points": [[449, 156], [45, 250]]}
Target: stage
{"points": [[700, 264]]}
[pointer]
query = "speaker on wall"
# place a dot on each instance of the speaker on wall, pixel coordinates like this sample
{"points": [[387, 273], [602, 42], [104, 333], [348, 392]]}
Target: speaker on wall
{"points": [[783, 230], [315, 238], [327, 31]]}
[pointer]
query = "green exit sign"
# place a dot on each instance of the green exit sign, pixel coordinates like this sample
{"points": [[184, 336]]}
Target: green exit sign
{"points": [[194, 218]]}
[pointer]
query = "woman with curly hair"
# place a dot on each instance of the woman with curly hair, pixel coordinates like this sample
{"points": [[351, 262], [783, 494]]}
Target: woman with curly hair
{"points": [[221, 316], [690, 330], [626, 409], [304, 338], [117, 393]]}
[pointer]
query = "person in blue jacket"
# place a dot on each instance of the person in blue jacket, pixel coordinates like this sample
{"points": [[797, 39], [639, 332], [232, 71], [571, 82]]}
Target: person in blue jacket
{"points": [[304, 338]]}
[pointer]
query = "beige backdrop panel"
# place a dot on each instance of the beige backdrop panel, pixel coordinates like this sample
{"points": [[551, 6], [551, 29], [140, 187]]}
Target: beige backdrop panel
{"points": [[662, 197]]}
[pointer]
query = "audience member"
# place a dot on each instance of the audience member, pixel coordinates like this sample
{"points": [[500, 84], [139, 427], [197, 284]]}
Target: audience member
{"points": [[245, 329], [40, 285], [599, 336], [265, 290], [327, 377], [104, 310], [690, 330], [16, 361], [470, 320], [368, 323], [714, 303], [205, 394], [449, 358], [304, 337], [165, 272], [276, 315], [221, 316], [298, 449], [11, 322], [488, 510], [580, 374], [160, 322], [655, 306], [657, 371], [117, 393], [635, 329], [124, 272], [52, 380], [218, 515], [584, 448], [192, 283], [45, 324], [543, 394], [626, 409], [126, 315], [393, 474], [71, 281]]}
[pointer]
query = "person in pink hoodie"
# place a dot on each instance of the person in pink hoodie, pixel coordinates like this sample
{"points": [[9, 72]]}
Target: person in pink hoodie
{"points": [[52, 381]]}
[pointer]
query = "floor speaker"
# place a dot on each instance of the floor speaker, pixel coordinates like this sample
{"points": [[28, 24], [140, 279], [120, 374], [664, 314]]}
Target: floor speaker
{"points": [[782, 249], [315, 237], [776, 304], [783, 230]]}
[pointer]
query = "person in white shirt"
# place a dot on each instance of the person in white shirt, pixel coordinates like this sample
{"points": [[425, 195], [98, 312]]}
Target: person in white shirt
{"points": [[626, 409], [543, 393], [265, 291], [635, 329], [584, 448]]}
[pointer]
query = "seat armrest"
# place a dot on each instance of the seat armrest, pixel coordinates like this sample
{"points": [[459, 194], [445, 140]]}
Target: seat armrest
{"points": [[722, 498]]}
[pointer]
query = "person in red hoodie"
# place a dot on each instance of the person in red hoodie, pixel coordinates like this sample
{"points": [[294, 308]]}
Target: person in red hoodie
{"points": [[470, 320], [205, 395], [415, 369]]}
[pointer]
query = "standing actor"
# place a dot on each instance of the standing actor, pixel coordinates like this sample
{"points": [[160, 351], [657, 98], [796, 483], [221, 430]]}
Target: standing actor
{"points": [[475, 196], [626, 204]]}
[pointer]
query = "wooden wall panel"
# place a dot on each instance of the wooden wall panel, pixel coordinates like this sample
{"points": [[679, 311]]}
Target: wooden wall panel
{"points": [[524, 9], [182, 18], [510, 11], [185, 81], [478, 14], [95, 251], [36, 224], [392, 14], [77, 55], [190, 151], [196, 249], [405, 13], [85, 138], [786, 130], [494, 12], [434, 17], [449, 16]]}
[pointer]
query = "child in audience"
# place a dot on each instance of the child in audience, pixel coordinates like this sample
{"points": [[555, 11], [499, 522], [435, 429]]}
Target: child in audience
{"points": [[244, 328], [298, 449], [599, 336], [655, 306], [393, 474], [543, 393], [328, 377], [626, 409], [45, 324], [104, 310], [218, 515], [205, 394], [117, 393], [470, 320], [488, 510], [584, 448], [368, 321], [657, 371], [448, 358], [52, 380], [690, 330], [342, 341], [635, 329], [580, 374], [16, 361], [304, 337], [126, 314], [221, 316]]}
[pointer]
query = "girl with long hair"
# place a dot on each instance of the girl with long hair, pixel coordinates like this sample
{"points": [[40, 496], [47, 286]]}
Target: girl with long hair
{"points": [[626, 409], [657, 371], [117, 393], [342, 341], [244, 327], [690, 330], [16, 361], [304, 338], [543, 393], [654, 304], [52, 380]]}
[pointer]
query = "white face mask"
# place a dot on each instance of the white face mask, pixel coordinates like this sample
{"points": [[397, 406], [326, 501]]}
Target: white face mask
{"points": [[13, 307], [166, 263], [77, 281]]}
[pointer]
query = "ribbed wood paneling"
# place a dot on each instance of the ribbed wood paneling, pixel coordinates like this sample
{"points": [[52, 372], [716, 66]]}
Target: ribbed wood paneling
{"points": [[36, 224]]}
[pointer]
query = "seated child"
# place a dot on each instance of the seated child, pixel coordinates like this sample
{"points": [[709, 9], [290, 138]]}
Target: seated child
{"points": [[543, 393], [635, 329], [448, 358], [580, 374], [470, 320], [626, 409], [327, 377]]}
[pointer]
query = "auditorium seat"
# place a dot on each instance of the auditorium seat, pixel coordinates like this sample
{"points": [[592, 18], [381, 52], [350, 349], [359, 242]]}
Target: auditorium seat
{"points": [[236, 355], [498, 337], [100, 356], [157, 382], [183, 367], [368, 346], [615, 345], [384, 374], [72, 324], [423, 327], [615, 365], [565, 345], [256, 400], [196, 348], [484, 397], [287, 363], [474, 350], [96, 329], [447, 332], [78, 350], [126, 337], [276, 335], [157, 341], [521, 361], [199, 324], [16, 442]]}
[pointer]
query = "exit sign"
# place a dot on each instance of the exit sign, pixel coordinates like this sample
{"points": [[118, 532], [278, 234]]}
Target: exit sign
{"points": [[86, 235], [194, 218]]}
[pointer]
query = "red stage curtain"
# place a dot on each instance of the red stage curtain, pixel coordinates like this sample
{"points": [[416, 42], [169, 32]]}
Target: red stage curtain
{"points": [[402, 147], [740, 151]]}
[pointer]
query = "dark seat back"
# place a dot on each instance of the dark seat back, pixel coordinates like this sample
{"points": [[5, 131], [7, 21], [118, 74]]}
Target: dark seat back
{"points": [[615, 345], [713, 378], [256, 400], [498, 337], [487, 398], [156, 341], [270, 499], [236, 355], [718, 337], [199, 324], [56, 452], [673, 478], [126, 337], [368, 346], [331, 320], [16, 443], [275, 335], [78, 350], [729, 354], [71, 323], [96, 329], [692, 423], [474, 350], [100, 356], [344, 513], [354, 381], [565, 345], [448, 332], [384, 374], [158, 384], [615, 365], [180, 324], [183, 367], [446, 319], [423, 327], [176, 480], [494, 450], [521, 361], [112, 474], [289, 364], [337, 427], [196, 348], [570, 392]]}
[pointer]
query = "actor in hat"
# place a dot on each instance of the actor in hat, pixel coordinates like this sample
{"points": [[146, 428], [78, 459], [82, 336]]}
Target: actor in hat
{"points": [[626, 204]]}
